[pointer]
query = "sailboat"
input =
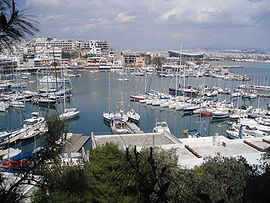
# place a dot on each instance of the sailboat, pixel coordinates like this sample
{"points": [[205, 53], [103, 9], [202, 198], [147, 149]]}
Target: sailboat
{"points": [[119, 126], [70, 112], [107, 116]]}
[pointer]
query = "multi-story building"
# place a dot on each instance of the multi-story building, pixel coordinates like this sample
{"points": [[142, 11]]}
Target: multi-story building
{"points": [[130, 59], [99, 48], [64, 44], [140, 61], [7, 66]]}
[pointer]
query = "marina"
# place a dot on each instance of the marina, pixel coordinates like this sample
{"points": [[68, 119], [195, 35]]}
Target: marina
{"points": [[159, 101], [201, 106]]}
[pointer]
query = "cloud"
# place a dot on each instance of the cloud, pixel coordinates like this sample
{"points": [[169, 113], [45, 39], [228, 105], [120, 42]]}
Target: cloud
{"points": [[124, 18], [156, 23], [240, 12], [45, 2]]}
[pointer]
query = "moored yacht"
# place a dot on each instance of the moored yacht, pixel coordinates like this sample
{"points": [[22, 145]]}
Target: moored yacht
{"points": [[133, 116], [69, 114], [119, 126], [161, 127]]}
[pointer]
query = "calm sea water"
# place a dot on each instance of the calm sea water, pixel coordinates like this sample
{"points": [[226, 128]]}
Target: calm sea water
{"points": [[91, 97]]}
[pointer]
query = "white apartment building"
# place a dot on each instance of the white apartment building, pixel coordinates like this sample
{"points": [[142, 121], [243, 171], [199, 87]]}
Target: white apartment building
{"points": [[97, 47], [53, 42]]}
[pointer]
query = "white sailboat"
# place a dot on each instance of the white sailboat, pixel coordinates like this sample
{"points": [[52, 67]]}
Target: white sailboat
{"points": [[70, 112], [2, 106], [107, 116]]}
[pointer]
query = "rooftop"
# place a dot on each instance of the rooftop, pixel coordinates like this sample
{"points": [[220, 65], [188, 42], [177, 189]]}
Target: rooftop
{"points": [[191, 151]]}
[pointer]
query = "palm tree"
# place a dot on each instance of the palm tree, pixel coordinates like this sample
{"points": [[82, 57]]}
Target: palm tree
{"points": [[15, 25]]}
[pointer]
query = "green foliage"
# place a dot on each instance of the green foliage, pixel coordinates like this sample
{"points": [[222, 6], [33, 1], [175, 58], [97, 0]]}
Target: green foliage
{"points": [[66, 55], [106, 173], [217, 179], [151, 175], [258, 183], [55, 64], [9, 192], [57, 130], [64, 184], [158, 61]]}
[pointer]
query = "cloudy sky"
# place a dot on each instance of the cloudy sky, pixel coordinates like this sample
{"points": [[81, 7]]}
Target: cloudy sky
{"points": [[157, 24]]}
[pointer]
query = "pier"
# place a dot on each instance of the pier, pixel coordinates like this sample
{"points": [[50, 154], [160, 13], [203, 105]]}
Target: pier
{"points": [[75, 142], [17, 136], [134, 128], [226, 66]]}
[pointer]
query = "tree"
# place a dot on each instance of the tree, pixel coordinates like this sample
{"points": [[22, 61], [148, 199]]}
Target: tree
{"points": [[158, 61], [99, 180], [152, 175], [112, 175], [64, 184], [66, 55], [258, 182], [218, 179], [54, 143], [15, 24], [152, 172], [107, 173]]}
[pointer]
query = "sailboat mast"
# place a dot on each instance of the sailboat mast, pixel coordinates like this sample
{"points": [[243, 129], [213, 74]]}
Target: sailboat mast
{"points": [[54, 65], [109, 91], [64, 97], [145, 83], [181, 67]]}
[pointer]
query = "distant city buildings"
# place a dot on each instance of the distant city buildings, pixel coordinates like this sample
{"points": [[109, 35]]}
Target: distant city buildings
{"points": [[97, 54]]}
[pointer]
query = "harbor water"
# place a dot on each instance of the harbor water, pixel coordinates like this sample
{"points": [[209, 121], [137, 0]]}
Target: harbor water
{"points": [[91, 97]]}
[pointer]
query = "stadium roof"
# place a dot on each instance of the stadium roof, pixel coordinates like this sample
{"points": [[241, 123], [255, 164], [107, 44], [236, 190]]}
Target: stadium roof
{"points": [[189, 55]]}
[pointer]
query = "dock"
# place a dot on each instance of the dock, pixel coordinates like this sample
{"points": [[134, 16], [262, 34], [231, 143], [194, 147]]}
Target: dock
{"points": [[190, 151], [134, 128], [75, 142], [25, 131], [227, 66]]}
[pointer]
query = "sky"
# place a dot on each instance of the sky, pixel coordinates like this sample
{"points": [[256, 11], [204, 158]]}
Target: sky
{"points": [[155, 25]]}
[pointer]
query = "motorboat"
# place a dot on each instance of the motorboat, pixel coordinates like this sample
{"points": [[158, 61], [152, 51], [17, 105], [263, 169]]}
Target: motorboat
{"points": [[133, 116], [107, 116], [137, 97], [220, 114], [161, 127], [2, 106], [17, 104], [33, 126]]}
